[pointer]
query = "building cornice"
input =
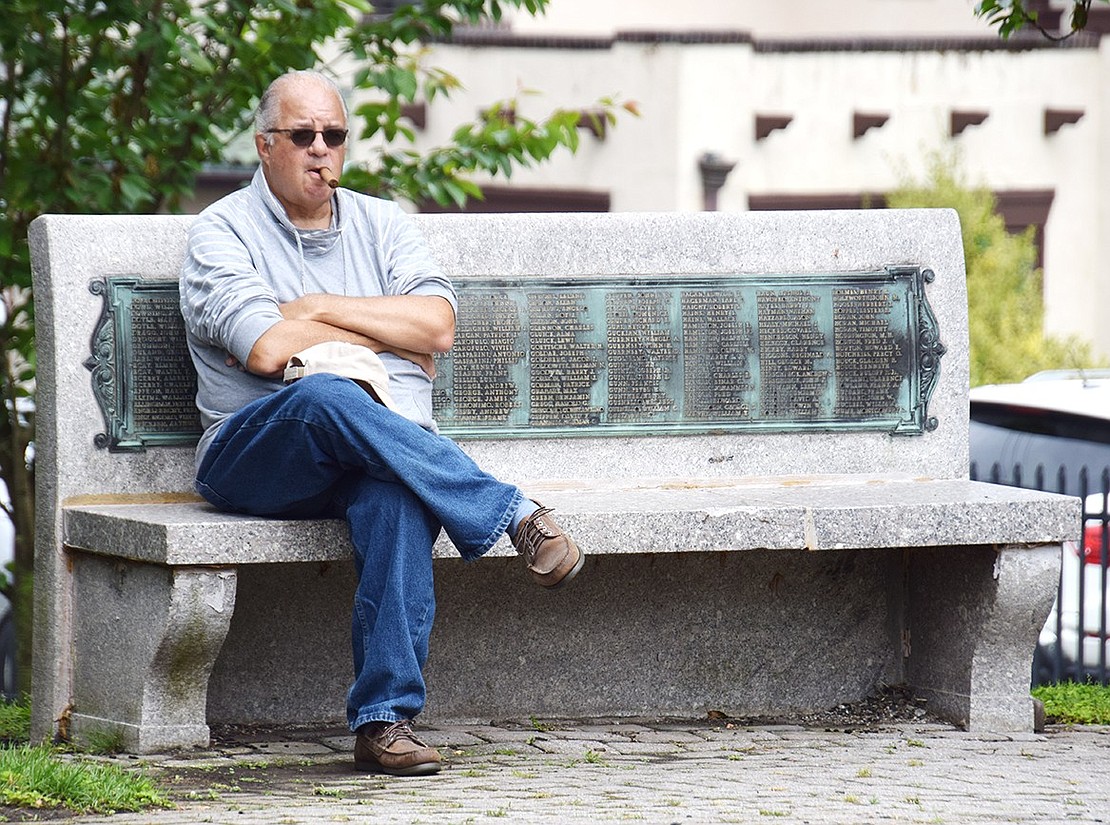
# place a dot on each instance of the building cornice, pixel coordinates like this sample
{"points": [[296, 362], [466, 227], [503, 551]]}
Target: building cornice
{"points": [[1024, 41]]}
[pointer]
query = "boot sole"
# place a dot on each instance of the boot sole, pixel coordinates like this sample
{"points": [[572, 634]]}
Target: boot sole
{"points": [[420, 769], [570, 574]]}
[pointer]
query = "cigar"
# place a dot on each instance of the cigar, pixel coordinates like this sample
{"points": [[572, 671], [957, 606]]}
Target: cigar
{"points": [[329, 177]]}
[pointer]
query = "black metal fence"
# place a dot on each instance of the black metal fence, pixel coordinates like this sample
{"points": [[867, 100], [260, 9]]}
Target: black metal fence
{"points": [[1075, 640]]}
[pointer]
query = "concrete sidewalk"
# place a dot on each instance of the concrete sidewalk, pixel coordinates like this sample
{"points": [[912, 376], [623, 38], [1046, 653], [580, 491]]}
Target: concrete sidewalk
{"points": [[690, 771]]}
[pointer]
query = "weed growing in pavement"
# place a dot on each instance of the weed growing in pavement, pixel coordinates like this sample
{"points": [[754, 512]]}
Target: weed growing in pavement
{"points": [[441, 803], [209, 795], [542, 727], [594, 758], [1072, 703], [863, 773]]}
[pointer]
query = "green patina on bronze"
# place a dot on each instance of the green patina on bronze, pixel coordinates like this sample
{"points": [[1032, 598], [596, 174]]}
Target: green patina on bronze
{"points": [[604, 355], [691, 354]]}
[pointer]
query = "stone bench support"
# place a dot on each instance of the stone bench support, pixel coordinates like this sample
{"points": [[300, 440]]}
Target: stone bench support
{"points": [[147, 637]]}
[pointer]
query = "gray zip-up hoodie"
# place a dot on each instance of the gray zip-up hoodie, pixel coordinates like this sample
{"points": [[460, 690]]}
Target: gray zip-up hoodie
{"points": [[245, 258]]}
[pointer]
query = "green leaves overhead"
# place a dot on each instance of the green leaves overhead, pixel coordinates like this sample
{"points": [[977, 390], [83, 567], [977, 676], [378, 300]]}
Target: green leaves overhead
{"points": [[114, 106], [496, 144], [1013, 15], [1004, 290]]}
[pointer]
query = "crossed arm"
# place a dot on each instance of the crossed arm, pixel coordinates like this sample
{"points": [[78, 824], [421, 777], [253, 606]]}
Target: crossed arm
{"points": [[411, 326]]}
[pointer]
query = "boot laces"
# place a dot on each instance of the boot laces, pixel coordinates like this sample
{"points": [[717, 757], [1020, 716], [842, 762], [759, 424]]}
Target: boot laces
{"points": [[535, 532], [399, 730]]}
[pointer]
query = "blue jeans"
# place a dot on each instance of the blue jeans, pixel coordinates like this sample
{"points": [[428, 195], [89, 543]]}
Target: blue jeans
{"points": [[323, 448]]}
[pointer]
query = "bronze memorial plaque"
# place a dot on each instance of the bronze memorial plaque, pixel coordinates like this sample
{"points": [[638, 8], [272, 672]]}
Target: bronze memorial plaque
{"points": [[609, 355], [142, 375], [598, 355]]}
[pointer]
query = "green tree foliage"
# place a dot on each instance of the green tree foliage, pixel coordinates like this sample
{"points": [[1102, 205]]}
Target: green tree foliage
{"points": [[1005, 301], [1014, 15], [113, 106]]}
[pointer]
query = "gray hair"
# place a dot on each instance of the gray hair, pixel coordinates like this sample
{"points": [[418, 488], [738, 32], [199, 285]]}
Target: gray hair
{"points": [[269, 105]]}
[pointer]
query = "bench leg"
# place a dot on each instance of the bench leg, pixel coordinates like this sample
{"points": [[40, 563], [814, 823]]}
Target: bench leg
{"points": [[146, 639], [974, 617]]}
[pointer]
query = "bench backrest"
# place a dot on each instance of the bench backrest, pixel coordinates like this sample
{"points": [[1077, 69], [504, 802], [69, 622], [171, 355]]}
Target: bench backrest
{"points": [[665, 260]]}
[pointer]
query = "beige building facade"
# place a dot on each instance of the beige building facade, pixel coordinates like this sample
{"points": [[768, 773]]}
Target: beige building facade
{"points": [[756, 105]]}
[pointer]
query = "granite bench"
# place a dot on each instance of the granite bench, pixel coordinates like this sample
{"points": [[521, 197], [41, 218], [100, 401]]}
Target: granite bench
{"points": [[776, 512]]}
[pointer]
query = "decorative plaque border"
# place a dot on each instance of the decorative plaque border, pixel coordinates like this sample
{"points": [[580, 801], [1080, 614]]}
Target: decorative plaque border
{"points": [[142, 376]]}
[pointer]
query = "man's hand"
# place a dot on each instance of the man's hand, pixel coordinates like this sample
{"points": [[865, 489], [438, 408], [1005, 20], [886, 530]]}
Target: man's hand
{"points": [[423, 360]]}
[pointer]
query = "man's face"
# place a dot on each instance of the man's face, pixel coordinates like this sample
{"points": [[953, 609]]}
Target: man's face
{"points": [[292, 171]]}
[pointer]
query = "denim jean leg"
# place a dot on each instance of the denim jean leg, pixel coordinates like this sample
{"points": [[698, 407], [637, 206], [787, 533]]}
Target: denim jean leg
{"points": [[392, 534], [324, 426], [264, 462]]}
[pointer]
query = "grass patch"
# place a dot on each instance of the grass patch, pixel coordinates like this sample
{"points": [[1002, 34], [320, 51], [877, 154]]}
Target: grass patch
{"points": [[35, 777], [15, 721], [104, 741], [39, 778], [1071, 703]]}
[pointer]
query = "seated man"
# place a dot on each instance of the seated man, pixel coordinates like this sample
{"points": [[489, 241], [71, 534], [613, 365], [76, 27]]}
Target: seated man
{"points": [[283, 265]]}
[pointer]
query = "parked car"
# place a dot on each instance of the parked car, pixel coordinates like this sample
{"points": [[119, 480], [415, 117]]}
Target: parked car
{"points": [[1083, 582], [7, 626], [1052, 432]]}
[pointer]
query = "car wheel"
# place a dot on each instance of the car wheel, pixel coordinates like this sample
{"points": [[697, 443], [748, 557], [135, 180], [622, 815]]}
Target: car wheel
{"points": [[7, 659], [1050, 665]]}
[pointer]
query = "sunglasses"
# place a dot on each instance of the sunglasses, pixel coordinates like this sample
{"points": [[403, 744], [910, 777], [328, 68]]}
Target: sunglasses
{"points": [[305, 137]]}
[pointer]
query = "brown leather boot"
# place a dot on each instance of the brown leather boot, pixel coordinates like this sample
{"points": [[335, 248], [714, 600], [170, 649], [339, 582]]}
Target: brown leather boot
{"points": [[384, 747], [552, 556]]}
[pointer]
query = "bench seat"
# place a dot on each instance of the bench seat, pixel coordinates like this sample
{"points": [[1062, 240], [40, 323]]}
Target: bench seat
{"points": [[677, 515], [694, 596]]}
